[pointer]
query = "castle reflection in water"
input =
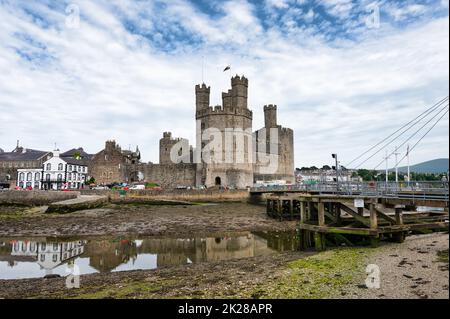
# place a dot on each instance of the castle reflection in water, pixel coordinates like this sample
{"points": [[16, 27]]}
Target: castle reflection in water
{"points": [[113, 254]]}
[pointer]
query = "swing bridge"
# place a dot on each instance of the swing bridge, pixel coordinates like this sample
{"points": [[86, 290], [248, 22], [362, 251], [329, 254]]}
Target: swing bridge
{"points": [[345, 212]]}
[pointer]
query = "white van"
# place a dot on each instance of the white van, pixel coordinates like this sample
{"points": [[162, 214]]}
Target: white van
{"points": [[137, 187]]}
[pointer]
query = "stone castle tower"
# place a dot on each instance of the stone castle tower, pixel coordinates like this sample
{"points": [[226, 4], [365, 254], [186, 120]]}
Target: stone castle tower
{"points": [[282, 152], [166, 146], [227, 127]]}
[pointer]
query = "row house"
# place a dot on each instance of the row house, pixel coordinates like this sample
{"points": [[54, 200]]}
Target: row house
{"points": [[56, 173]]}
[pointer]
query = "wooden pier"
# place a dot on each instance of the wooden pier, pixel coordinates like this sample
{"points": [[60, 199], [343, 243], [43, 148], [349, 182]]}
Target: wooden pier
{"points": [[340, 219]]}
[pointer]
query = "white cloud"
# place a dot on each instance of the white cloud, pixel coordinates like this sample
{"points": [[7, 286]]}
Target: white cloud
{"points": [[103, 81]]}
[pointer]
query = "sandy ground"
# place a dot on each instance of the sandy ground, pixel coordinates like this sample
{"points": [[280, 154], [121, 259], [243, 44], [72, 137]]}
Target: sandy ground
{"points": [[412, 269], [139, 219]]}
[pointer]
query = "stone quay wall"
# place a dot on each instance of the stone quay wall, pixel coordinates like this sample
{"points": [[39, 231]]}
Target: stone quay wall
{"points": [[208, 195], [35, 197]]}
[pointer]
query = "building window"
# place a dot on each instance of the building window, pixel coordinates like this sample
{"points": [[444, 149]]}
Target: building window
{"points": [[60, 167], [55, 246], [79, 168], [55, 258], [84, 169], [36, 185], [70, 168], [37, 177], [69, 176], [59, 177], [29, 176], [21, 176], [47, 177], [42, 257], [21, 184], [49, 167], [28, 184]]}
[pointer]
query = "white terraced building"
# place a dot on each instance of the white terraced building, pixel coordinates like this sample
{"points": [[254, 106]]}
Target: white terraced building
{"points": [[57, 173]]}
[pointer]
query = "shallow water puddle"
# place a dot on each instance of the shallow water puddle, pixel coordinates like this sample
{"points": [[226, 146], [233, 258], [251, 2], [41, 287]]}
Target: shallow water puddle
{"points": [[40, 257]]}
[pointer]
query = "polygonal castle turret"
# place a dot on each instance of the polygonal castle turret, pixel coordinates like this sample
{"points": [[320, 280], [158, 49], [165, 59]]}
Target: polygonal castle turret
{"points": [[202, 93], [235, 98], [270, 116]]}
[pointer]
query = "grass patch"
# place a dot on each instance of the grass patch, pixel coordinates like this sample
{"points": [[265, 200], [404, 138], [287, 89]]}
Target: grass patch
{"points": [[132, 289], [324, 275], [18, 212]]}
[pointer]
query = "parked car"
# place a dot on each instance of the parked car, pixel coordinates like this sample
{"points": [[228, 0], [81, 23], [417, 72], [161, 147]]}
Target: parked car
{"points": [[137, 187], [100, 187]]}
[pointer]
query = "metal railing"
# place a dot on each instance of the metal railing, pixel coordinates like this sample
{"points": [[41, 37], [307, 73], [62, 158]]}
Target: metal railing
{"points": [[411, 190]]}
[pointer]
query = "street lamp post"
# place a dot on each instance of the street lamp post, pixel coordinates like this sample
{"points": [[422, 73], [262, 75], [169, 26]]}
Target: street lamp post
{"points": [[334, 155]]}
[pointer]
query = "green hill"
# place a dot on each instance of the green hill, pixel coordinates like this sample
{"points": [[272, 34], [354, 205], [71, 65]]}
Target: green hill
{"points": [[439, 165]]}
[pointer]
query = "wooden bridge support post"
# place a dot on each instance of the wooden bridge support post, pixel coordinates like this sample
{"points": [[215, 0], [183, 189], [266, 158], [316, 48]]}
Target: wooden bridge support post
{"points": [[337, 208], [373, 216], [319, 241], [302, 212], [309, 210], [400, 236], [321, 213], [399, 214], [280, 209], [360, 211], [319, 238], [291, 208]]}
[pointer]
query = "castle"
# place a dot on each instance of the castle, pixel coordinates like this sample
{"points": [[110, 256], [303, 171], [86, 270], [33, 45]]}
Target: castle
{"points": [[227, 151], [264, 155]]}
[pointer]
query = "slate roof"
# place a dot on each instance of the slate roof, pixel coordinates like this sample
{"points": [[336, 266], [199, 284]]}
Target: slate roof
{"points": [[25, 155], [71, 153], [74, 161]]}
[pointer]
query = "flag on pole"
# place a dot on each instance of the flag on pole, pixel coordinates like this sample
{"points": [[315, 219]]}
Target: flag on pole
{"points": [[228, 67]]}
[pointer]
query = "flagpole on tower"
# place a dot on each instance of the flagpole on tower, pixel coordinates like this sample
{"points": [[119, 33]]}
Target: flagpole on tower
{"points": [[203, 67]]}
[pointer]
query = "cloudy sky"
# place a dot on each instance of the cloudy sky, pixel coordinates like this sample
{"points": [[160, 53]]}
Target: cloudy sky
{"points": [[343, 73]]}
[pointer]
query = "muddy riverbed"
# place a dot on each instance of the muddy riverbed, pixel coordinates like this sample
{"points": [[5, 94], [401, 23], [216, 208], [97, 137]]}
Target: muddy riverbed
{"points": [[227, 250], [151, 220]]}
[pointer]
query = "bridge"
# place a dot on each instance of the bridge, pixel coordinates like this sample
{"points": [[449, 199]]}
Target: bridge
{"points": [[342, 213], [431, 194]]}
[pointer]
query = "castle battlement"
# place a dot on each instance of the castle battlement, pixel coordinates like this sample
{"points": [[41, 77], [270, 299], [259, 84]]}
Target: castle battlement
{"points": [[202, 88], [270, 107], [219, 110], [237, 80], [286, 131]]}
